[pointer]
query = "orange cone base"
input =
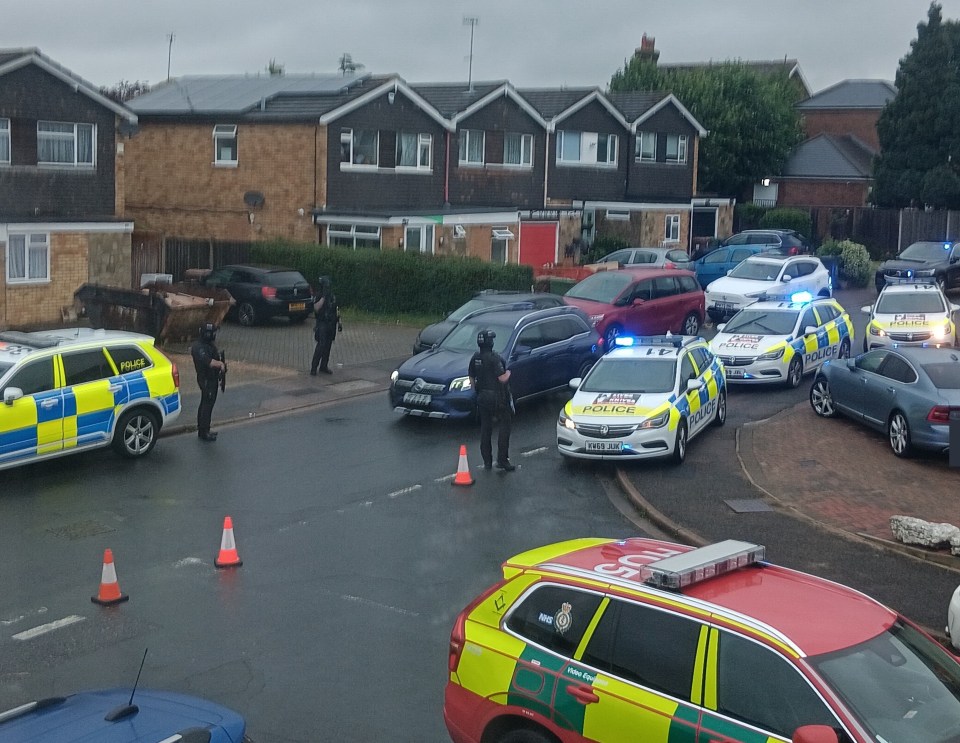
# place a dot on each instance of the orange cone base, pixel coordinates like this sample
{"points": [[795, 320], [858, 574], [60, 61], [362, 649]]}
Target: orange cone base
{"points": [[227, 561], [109, 601], [463, 469], [463, 478]]}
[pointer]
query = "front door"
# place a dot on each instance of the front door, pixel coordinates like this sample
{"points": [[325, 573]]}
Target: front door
{"points": [[33, 424]]}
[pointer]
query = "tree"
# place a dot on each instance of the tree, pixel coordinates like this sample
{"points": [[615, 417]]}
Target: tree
{"points": [[274, 68], [919, 129], [749, 115], [125, 90], [347, 65]]}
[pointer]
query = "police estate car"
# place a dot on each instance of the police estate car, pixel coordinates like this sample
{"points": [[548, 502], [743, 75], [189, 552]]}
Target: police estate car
{"points": [[780, 341], [646, 398], [642, 640], [910, 313], [68, 390]]}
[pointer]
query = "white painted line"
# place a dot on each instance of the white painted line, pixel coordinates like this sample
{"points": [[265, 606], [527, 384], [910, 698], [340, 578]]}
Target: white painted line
{"points": [[530, 453], [49, 627], [377, 604], [446, 477], [402, 491]]}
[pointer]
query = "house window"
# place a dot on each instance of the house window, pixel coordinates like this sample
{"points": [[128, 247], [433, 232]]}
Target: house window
{"points": [[586, 148], [60, 143], [414, 150], [618, 215], [28, 257], [359, 147], [224, 144], [676, 148], [418, 239], [5, 141], [471, 147], [671, 231], [518, 149], [646, 146], [356, 236]]}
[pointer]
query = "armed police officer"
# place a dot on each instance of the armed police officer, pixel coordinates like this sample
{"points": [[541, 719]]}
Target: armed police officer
{"points": [[328, 323], [211, 368], [490, 377]]}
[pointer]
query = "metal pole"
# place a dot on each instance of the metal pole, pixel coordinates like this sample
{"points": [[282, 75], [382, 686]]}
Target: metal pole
{"points": [[170, 38], [471, 21]]}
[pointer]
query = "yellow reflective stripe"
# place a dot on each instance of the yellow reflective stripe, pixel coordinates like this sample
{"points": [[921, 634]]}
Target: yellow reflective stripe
{"points": [[809, 343], [833, 334], [588, 633], [59, 376], [674, 418], [710, 682], [696, 689], [110, 361], [694, 399]]}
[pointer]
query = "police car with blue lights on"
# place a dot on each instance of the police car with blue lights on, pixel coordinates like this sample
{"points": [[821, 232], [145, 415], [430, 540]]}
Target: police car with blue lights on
{"points": [[779, 339], [647, 397], [910, 312]]}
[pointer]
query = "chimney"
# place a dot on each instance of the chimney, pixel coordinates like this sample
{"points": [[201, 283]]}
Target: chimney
{"points": [[647, 51]]}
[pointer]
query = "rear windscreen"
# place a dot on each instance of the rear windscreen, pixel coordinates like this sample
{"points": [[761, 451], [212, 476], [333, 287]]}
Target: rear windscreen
{"points": [[945, 376], [285, 278]]}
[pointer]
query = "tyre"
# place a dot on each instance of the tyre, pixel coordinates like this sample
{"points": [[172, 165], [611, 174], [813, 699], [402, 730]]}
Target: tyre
{"points": [[136, 433], [585, 367], [691, 324], [721, 417], [898, 433], [825, 292], [525, 735], [794, 372], [821, 398], [246, 314], [844, 352], [865, 347], [610, 336], [680, 443]]}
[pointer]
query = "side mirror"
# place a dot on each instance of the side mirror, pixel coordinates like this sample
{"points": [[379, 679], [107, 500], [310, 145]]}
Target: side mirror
{"points": [[954, 307], [637, 302], [12, 393], [852, 364], [810, 330], [694, 384], [721, 326], [868, 308], [815, 734], [787, 278], [520, 351], [575, 383]]}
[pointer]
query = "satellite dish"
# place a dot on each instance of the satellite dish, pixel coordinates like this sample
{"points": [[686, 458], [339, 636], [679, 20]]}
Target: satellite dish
{"points": [[253, 198]]}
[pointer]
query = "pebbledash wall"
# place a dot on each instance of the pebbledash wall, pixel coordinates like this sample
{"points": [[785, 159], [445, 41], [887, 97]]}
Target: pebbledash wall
{"points": [[79, 253]]}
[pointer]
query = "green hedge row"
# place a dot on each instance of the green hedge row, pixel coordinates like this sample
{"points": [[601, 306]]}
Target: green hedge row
{"points": [[394, 281]]}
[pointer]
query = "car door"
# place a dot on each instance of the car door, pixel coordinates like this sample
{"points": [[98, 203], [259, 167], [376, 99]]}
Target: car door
{"points": [[882, 391], [714, 265], [664, 311], [696, 419], [850, 378], [635, 313], [813, 343], [552, 360], [92, 394], [33, 423], [953, 268], [524, 360]]}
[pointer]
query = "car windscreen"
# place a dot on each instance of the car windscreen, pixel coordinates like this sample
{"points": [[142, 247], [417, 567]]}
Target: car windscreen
{"points": [[285, 278], [762, 322], [756, 270], [645, 256], [900, 684], [4, 368], [902, 303], [926, 251], [463, 337], [944, 375], [603, 286], [632, 375]]}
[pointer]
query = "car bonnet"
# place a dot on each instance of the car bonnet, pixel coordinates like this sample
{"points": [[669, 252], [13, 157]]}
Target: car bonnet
{"points": [[744, 344], [616, 407]]}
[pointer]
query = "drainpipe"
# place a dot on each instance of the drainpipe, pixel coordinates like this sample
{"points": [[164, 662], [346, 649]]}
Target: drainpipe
{"points": [[446, 172], [546, 169]]}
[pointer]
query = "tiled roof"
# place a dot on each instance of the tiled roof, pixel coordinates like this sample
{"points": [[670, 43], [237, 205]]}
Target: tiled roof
{"points": [[452, 98], [852, 94], [633, 105], [830, 156], [550, 102]]}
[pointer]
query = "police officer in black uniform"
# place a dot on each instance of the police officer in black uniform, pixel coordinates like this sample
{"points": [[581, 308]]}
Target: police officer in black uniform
{"points": [[206, 359], [490, 377], [328, 323]]}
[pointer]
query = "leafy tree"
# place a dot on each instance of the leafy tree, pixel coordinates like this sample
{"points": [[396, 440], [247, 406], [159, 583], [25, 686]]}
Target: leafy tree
{"points": [[347, 65], [749, 115], [125, 90], [919, 129], [274, 68]]}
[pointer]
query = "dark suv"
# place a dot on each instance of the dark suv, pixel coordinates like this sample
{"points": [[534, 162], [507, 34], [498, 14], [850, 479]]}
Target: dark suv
{"points": [[544, 350], [433, 334], [263, 291], [787, 242], [937, 262]]}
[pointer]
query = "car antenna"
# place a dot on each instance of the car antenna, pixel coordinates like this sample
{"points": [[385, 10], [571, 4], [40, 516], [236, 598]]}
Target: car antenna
{"points": [[125, 710]]}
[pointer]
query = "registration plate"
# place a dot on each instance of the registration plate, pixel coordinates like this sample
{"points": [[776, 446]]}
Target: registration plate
{"points": [[735, 373], [413, 398], [297, 306], [723, 305], [604, 446]]}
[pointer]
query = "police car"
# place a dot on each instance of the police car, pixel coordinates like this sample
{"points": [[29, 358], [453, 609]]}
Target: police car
{"points": [[646, 398], [780, 341], [910, 313], [69, 390], [643, 640]]}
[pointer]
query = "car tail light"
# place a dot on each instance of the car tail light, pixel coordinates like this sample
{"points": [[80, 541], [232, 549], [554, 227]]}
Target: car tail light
{"points": [[458, 635], [176, 375], [268, 292], [940, 414], [669, 264]]}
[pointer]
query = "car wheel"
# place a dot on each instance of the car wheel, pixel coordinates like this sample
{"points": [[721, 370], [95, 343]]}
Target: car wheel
{"points": [[136, 433], [794, 372], [721, 417], [680, 444], [246, 314], [825, 292], [610, 336], [821, 398], [524, 735], [865, 347], [898, 432], [584, 368], [844, 352], [691, 325]]}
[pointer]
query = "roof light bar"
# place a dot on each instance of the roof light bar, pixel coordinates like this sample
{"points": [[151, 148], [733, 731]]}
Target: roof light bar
{"points": [[679, 571], [911, 279], [659, 340]]}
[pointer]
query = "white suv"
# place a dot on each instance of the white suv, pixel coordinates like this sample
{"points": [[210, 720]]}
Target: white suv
{"points": [[761, 275]]}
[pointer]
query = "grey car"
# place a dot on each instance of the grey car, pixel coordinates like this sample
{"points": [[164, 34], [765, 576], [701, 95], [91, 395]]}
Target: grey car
{"points": [[911, 394], [650, 258]]}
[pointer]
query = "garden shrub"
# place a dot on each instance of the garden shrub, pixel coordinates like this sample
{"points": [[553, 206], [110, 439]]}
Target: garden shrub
{"points": [[855, 265], [788, 218]]}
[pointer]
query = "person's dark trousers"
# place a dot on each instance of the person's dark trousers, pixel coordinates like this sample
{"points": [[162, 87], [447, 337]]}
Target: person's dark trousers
{"points": [[321, 354], [208, 398], [489, 413]]}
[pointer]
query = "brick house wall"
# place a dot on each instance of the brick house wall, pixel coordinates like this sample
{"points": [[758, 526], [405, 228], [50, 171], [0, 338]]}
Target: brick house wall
{"points": [[862, 123], [809, 193], [644, 229]]}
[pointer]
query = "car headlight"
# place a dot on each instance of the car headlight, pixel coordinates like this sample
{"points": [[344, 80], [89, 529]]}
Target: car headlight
{"points": [[771, 355], [461, 384], [595, 319], [941, 332], [394, 375], [657, 422], [875, 329], [925, 272], [754, 295], [564, 422]]}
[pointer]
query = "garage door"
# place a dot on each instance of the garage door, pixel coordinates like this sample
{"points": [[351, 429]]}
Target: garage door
{"points": [[538, 243]]}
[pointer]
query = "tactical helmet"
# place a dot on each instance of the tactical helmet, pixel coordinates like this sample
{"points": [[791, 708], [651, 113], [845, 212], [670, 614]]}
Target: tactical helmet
{"points": [[208, 331], [485, 338]]}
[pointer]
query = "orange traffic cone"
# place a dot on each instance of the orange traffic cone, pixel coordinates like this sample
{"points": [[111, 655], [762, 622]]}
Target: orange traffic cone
{"points": [[463, 469], [228, 557], [109, 592]]}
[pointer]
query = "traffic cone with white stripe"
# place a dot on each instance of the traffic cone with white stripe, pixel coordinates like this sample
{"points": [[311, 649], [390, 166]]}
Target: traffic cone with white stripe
{"points": [[463, 469], [109, 592], [228, 557]]}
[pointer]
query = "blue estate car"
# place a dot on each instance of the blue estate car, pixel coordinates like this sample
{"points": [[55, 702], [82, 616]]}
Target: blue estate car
{"points": [[717, 262], [544, 349]]}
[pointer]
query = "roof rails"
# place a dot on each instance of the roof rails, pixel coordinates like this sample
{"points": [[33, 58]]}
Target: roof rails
{"points": [[918, 281], [504, 307], [29, 339]]}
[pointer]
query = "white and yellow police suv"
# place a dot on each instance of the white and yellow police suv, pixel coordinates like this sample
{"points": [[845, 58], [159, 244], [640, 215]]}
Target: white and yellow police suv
{"points": [[646, 398], [68, 390], [910, 313], [779, 341]]}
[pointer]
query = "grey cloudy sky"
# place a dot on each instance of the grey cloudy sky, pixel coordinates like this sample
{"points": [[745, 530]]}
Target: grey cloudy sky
{"points": [[532, 43]]}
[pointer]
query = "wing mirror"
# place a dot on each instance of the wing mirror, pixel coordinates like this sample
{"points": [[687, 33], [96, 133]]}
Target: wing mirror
{"points": [[721, 326], [694, 384], [810, 330], [868, 308], [521, 351], [852, 364], [815, 734], [787, 278], [575, 383], [10, 394], [638, 301]]}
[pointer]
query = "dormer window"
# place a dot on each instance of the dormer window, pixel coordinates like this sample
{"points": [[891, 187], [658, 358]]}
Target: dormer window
{"points": [[225, 145]]}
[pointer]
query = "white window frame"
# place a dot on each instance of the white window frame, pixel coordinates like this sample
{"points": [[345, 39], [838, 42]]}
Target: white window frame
{"points": [[526, 150], [617, 215], [423, 152], [354, 233], [5, 145], [646, 147], [671, 228], [680, 157], [222, 133], [587, 148], [423, 243], [349, 137], [63, 136], [467, 139], [27, 243]]}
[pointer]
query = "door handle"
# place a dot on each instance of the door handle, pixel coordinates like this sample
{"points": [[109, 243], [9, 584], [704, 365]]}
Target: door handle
{"points": [[583, 694], [892, 390], [115, 387], [50, 403]]}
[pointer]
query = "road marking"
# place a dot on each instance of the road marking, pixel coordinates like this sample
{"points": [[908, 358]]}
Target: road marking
{"points": [[48, 627], [402, 491], [530, 453], [15, 620], [446, 477], [377, 604]]}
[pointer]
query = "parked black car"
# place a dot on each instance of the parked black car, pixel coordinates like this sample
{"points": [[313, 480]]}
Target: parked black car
{"points": [[938, 262], [263, 291], [787, 242], [433, 334]]}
